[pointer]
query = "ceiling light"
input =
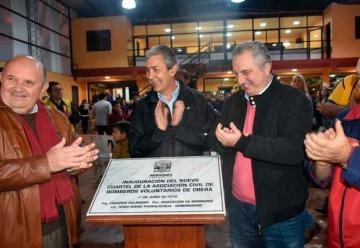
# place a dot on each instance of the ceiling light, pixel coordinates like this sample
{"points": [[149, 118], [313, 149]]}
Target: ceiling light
{"points": [[315, 35], [332, 75], [107, 77], [263, 24], [229, 72], [228, 46], [287, 31], [237, 1], [200, 35], [230, 26], [198, 28], [274, 44], [173, 37], [294, 69], [229, 34], [257, 32], [296, 22], [167, 30], [278, 77], [226, 79], [128, 4], [179, 50]]}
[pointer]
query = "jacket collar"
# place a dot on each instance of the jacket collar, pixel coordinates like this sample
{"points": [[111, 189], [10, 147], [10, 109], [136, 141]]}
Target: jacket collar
{"points": [[354, 113], [263, 103]]}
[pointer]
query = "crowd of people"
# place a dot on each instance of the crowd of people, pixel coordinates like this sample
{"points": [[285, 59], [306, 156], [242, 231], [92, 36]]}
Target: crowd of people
{"points": [[267, 133]]}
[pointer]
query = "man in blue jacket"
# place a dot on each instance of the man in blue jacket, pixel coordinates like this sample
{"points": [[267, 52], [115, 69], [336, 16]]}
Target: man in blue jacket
{"points": [[263, 126], [336, 153]]}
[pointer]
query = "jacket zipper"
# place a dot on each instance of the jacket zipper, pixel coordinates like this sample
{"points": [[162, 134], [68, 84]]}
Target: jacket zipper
{"points": [[342, 245]]}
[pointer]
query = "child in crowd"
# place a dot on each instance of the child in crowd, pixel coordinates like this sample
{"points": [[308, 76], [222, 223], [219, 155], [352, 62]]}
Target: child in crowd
{"points": [[120, 134]]}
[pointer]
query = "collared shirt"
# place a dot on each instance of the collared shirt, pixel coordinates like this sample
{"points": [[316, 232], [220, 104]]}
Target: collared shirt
{"points": [[174, 96], [243, 182]]}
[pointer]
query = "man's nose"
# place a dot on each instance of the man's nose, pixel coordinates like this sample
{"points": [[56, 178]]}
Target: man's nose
{"points": [[19, 84]]}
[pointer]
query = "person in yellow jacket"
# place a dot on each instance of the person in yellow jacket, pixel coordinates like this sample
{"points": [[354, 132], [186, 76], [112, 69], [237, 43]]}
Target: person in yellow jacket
{"points": [[341, 96], [56, 101]]}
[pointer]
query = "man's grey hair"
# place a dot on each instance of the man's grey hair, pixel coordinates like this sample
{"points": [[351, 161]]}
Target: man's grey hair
{"points": [[167, 52], [258, 50], [32, 58]]}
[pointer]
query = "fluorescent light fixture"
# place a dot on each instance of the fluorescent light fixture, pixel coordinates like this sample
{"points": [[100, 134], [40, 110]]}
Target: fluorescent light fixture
{"points": [[257, 32], [287, 31], [230, 26], [128, 4], [198, 28], [294, 69], [263, 24], [296, 22], [286, 44], [179, 50], [237, 1], [167, 30]]}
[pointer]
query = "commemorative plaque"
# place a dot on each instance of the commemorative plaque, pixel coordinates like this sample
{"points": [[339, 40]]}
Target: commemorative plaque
{"points": [[160, 186]]}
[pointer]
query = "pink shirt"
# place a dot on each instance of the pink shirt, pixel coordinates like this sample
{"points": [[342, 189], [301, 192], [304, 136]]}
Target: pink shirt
{"points": [[243, 184]]}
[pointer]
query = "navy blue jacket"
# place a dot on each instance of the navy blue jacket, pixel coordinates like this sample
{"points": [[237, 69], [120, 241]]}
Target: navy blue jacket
{"points": [[189, 138]]}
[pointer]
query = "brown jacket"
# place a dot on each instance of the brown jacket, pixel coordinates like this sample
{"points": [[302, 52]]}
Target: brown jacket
{"points": [[20, 175]]}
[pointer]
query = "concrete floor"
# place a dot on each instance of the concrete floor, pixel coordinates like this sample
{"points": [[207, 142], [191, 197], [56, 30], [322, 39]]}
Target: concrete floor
{"points": [[217, 236]]}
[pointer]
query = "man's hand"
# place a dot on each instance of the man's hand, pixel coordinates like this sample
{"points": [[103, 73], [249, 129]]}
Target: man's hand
{"points": [[178, 112], [328, 109], [228, 136], [75, 157], [161, 116], [332, 146]]}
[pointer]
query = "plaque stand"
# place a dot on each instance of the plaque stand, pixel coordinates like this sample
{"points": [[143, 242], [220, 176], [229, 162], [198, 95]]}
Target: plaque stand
{"points": [[162, 231]]}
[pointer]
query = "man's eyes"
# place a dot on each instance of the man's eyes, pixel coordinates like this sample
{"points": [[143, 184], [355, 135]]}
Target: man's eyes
{"points": [[11, 78], [28, 82], [25, 82], [151, 69]]}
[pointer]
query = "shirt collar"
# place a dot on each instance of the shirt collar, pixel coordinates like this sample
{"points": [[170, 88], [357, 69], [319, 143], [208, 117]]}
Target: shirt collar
{"points": [[251, 99], [33, 111], [174, 96]]}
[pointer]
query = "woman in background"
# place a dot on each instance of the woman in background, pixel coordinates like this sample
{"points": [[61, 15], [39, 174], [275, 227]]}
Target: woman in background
{"points": [[84, 115]]}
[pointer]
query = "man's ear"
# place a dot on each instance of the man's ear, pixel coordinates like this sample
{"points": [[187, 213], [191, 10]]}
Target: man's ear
{"points": [[45, 86], [173, 70], [267, 68]]}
